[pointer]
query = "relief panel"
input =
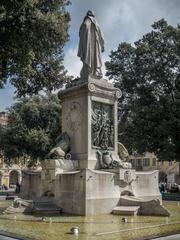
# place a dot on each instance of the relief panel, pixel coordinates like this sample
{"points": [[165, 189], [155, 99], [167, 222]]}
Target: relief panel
{"points": [[102, 126]]}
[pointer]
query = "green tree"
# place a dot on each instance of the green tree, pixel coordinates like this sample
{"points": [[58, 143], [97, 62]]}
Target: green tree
{"points": [[32, 129], [32, 37], [148, 73]]}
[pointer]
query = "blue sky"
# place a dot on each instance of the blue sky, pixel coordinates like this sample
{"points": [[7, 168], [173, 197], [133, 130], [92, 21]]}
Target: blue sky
{"points": [[120, 20]]}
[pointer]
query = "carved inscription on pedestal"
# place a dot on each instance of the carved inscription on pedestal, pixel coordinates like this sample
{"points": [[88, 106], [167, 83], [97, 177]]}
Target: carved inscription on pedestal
{"points": [[102, 126]]}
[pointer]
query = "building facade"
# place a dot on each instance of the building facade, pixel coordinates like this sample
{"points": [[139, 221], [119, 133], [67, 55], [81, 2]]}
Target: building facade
{"points": [[148, 161], [9, 174], [3, 118]]}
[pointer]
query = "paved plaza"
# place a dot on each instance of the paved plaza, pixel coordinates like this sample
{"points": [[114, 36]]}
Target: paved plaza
{"points": [[172, 237], [6, 238]]}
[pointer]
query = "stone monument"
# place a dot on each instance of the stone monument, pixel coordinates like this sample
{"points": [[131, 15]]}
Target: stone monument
{"points": [[93, 179]]}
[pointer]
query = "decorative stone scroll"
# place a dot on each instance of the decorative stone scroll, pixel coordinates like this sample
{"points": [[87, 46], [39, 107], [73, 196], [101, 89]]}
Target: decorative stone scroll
{"points": [[102, 126], [104, 90]]}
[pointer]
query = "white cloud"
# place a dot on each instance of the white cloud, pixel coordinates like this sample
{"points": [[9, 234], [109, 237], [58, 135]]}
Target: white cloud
{"points": [[72, 62]]}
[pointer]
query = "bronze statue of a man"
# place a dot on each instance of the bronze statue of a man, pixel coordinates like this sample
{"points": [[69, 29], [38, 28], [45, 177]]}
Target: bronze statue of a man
{"points": [[91, 44]]}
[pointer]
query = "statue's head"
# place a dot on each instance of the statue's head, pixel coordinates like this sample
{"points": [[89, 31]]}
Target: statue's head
{"points": [[90, 13]]}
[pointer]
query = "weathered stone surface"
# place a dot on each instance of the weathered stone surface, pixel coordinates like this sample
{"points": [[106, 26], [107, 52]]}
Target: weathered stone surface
{"points": [[127, 175], [146, 185], [31, 186]]}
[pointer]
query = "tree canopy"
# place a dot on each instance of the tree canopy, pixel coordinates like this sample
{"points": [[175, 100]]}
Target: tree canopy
{"points": [[33, 126], [148, 73], [32, 37]]}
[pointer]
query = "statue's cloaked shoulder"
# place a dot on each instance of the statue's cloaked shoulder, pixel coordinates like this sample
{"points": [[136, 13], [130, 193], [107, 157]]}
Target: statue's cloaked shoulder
{"points": [[84, 34], [91, 44]]}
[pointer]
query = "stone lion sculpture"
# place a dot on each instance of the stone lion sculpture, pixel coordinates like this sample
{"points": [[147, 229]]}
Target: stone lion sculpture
{"points": [[61, 148]]}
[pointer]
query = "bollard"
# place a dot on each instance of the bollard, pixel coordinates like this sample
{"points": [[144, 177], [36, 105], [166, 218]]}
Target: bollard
{"points": [[43, 219], [124, 220], [75, 230]]}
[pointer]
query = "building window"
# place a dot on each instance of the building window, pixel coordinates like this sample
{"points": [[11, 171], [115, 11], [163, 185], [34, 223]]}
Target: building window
{"points": [[154, 162], [146, 162], [132, 161], [138, 162]]}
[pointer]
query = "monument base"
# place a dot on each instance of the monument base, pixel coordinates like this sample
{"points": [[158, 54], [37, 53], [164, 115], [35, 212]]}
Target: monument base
{"points": [[96, 179], [91, 192]]}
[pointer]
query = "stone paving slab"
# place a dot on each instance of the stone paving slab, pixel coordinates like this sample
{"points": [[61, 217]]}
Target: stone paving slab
{"points": [[11, 236], [126, 210], [172, 237], [6, 238]]}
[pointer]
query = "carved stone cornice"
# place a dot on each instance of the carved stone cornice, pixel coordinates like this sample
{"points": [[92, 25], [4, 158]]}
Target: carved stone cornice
{"points": [[97, 87], [103, 88]]}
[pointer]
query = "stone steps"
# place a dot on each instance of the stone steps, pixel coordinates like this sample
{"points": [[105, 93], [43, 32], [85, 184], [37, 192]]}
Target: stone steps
{"points": [[19, 206], [126, 210], [46, 207], [12, 210]]}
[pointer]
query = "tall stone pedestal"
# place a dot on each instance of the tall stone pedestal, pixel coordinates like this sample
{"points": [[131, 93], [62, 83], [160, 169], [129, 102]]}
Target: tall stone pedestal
{"points": [[89, 116]]}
